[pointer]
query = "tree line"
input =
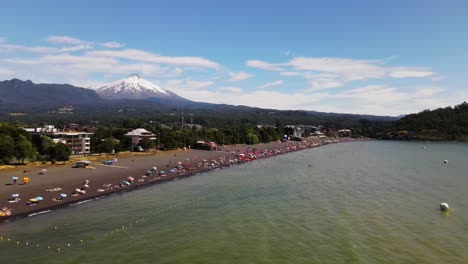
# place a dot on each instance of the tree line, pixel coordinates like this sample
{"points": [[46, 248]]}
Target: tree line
{"points": [[449, 123], [17, 145]]}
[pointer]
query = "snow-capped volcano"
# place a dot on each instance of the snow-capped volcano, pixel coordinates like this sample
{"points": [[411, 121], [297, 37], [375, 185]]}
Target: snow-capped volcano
{"points": [[134, 87]]}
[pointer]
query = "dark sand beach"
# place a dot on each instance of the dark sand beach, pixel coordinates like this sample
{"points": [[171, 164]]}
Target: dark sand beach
{"points": [[107, 179]]}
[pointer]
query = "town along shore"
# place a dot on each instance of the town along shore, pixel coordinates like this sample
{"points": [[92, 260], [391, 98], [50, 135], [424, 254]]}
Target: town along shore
{"points": [[61, 185]]}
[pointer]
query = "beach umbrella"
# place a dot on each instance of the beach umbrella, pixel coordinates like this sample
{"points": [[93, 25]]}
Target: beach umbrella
{"points": [[14, 178], [130, 178], [43, 170], [15, 195], [34, 200], [85, 185], [155, 169], [80, 191], [39, 198], [63, 195], [161, 172], [127, 183]]}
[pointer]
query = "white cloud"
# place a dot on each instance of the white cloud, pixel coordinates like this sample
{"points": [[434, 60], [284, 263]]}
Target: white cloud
{"points": [[405, 72], [239, 76], [270, 84], [371, 99], [346, 69], [429, 91], [11, 48], [231, 89], [289, 73], [2, 39], [263, 65], [64, 40], [139, 55], [5, 72], [112, 45], [182, 86]]}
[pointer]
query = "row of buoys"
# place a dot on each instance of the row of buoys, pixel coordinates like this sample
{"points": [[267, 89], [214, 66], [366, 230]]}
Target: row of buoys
{"points": [[105, 235]]}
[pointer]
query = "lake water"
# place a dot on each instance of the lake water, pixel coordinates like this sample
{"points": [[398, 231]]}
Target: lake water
{"points": [[361, 202]]}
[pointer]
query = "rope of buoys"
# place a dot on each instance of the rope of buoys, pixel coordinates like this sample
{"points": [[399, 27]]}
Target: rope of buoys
{"points": [[59, 248]]}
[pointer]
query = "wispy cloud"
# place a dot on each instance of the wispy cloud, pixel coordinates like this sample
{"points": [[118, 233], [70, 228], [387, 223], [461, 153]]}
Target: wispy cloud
{"points": [[371, 99], [139, 55], [181, 86], [2, 39], [406, 72], [239, 76], [343, 68], [270, 84], [64, 40], [71, 60], [112, 45], [263, 65], [289, 73], [231, 89], [11, 48], [5, 72]]}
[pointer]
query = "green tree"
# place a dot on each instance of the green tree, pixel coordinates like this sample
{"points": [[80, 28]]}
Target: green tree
{"points": [[252, 139], [24, 149], [108, 145], [7, 149], [62, 152], [147, 143], [43, 144]]}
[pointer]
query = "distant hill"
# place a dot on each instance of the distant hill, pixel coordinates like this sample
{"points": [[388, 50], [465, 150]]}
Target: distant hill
{"points": [[24, 94], [450, 123]]}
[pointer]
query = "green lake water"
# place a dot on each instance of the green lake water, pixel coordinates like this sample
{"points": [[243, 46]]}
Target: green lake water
{"points": [[360, 202]]}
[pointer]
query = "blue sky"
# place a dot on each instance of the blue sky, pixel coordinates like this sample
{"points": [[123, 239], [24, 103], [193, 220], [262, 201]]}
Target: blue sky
{"points": [[369, 57]]}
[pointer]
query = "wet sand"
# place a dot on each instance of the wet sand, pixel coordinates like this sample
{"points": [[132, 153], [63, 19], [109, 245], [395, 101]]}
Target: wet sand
{"points": [[108, 177]]}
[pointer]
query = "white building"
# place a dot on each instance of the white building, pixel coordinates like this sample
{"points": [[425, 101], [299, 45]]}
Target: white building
{"points": [[138, 134], [79, 142]]}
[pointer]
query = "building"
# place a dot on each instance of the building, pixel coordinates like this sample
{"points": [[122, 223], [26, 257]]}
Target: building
{"points": [[138, 134], [344, 132], [206, 145], [79, 142]]}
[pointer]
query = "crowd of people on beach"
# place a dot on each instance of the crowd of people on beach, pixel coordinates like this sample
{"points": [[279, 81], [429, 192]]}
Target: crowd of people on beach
{"points": [[173, 170]]}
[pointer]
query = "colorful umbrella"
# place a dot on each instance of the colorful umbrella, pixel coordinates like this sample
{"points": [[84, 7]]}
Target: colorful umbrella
{"points": [[127, 183], [130, 178], [39, 198]]}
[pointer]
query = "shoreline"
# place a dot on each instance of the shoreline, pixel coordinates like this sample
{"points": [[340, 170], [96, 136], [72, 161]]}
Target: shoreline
{"points": [[234, 152]]}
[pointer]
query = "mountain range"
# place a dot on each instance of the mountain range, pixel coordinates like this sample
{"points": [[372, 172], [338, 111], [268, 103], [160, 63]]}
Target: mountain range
{"points": [[134, 97]]}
